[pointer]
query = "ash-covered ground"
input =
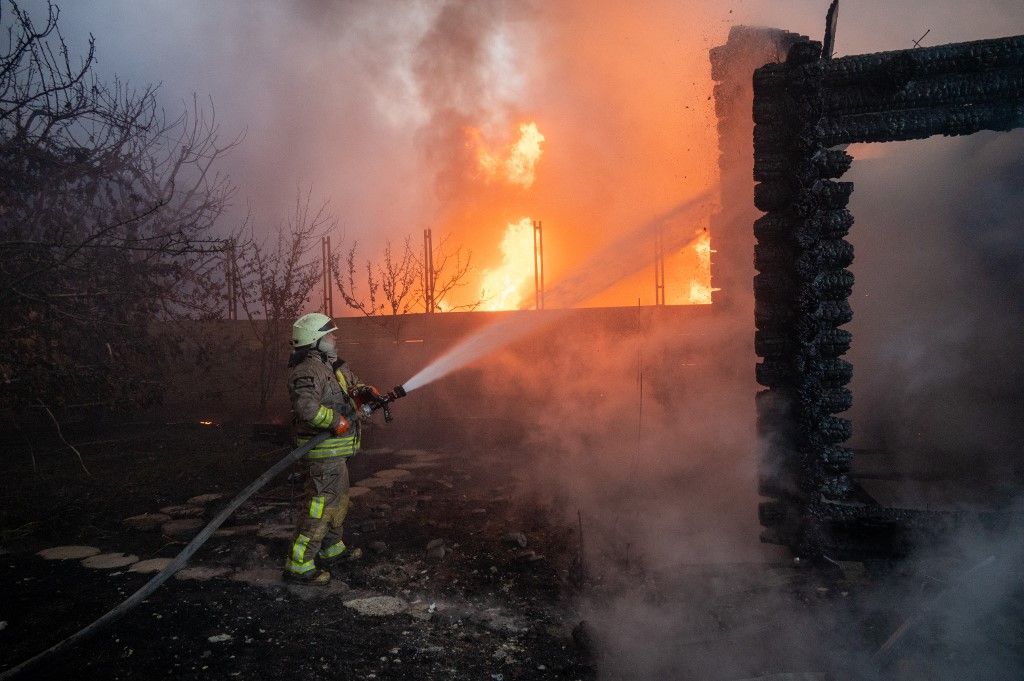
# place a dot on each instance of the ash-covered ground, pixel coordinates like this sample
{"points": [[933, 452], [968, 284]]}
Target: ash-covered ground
{"points": [[465, 575]]}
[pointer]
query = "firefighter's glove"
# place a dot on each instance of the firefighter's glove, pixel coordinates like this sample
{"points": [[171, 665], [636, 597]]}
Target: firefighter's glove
{"points": [[340, 425], [364, 393]]}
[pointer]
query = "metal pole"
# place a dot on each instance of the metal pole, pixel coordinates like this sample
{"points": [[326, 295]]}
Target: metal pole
{"points": [[659, 268], [231, 278], [538, 264], [325, 257], [429, 304]]}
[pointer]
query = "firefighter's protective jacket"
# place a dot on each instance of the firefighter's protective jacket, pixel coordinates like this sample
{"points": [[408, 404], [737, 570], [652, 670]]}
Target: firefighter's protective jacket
{"points": [[318, 391]]}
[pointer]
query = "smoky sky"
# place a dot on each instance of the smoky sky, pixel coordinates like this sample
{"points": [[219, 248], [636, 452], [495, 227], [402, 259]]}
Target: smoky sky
{"points": [[364, 102], [360, 100]]}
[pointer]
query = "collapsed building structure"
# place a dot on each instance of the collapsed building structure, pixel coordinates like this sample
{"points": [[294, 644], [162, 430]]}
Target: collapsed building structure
{"points": [[806, 108]]}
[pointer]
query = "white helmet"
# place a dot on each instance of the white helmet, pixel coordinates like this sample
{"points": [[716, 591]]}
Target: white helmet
{"points": [[309, 328]]}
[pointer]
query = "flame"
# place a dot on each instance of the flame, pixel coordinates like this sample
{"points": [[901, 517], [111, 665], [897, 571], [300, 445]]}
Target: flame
{"points": [[700, 284], [502, 288], [515, 163]]}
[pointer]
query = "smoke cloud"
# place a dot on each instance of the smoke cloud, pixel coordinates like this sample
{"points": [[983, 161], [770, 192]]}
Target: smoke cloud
{"points": [[369, 102]]}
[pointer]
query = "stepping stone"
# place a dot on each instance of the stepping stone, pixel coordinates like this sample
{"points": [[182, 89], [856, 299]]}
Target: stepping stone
{"points": [[109, 561], [68, 552], [258, 576], [237, 531], [378, 606], [203, 499], [203, 573], [392, 474], [150, 566], [376, 482], [182, 511], [357, 491], [416, 465], [273, 531], [182, 529], [146, 521]]}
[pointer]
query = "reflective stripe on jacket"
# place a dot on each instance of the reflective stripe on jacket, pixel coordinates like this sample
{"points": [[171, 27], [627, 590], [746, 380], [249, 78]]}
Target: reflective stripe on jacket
{"points": [[318, 393]]}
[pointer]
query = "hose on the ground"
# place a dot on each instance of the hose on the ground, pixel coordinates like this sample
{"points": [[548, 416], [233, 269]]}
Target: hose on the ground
{"points": [[172, 567]]}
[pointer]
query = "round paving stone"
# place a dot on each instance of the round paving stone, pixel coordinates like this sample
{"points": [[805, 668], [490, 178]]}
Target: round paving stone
{"points": [[357, 491], [237, 531], [181, 529], [392, 474], [416, 465], [109, 561], [276, 531], [182, 511], [203, 573], [68, 552], [150, 566], [203, 499], [376, 482], [258, 576], [146, 521], [378, 606]]}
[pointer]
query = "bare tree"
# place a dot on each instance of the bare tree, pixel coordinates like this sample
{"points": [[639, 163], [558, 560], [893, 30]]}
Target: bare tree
{"points": [[106, 207], [275, 281], [394, 285], [450, 269], [390, 283]]}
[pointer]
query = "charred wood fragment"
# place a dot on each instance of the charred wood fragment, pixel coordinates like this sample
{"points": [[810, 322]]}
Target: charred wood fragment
{"points": [[891, 126], [1004, 84]]}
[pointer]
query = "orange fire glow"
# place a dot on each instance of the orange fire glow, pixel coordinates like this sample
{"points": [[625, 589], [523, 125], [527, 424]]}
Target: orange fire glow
{"points": [[503, 288], [514, 163], [700, 284]]}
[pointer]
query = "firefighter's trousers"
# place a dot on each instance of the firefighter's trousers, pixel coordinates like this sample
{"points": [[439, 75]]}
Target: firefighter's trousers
{"points": [[321, 516]]}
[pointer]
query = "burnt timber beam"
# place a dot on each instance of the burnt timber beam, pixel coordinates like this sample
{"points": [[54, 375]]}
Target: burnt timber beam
{"points": [[803, 109]]}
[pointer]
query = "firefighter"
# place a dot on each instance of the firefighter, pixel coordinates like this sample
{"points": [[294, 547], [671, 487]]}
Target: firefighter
{"points": [[321, 388]]}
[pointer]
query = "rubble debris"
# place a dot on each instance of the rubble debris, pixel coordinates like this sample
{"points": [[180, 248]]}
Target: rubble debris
{"points": [[378, 606], [109, 561], [150, 566], [220, 638], [378, 546], [181, 529], [515, 539], [436, 549], [583, 637], [146, 521], [68, 552]]}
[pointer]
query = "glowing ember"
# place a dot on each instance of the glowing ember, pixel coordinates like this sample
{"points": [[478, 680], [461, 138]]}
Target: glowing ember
{"points": [[514, 164], [502, 288], [206, 423]]}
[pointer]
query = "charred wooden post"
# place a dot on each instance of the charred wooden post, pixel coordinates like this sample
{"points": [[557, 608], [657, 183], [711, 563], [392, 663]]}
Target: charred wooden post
{"points": [[746, 49], [803, 109]]}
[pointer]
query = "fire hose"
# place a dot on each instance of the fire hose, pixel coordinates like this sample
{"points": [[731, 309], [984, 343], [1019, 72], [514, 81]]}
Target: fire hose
{"points": [[381, 402]]}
